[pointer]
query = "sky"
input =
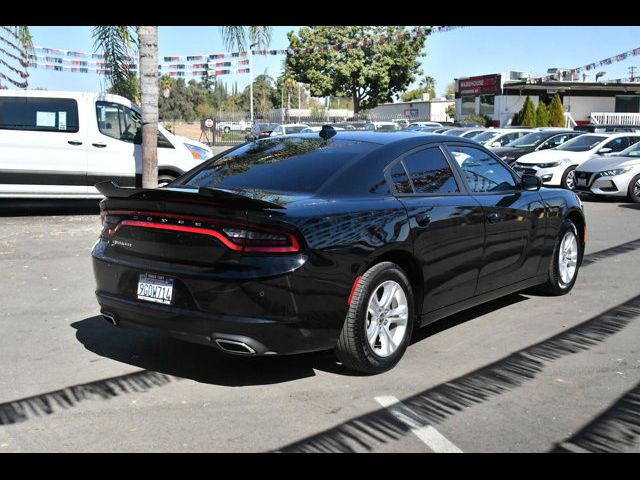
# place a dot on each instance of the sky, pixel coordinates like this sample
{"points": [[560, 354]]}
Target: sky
{"points": [[456, 53]]}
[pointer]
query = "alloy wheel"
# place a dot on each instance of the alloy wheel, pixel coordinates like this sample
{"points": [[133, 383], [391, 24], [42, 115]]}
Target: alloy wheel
{"points": [[387, 317], [568, 258]]}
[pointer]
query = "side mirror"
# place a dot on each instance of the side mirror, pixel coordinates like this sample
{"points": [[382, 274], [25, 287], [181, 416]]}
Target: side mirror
{"points": [[496, 144], [545, 146], [602, 151], [531, 183]]}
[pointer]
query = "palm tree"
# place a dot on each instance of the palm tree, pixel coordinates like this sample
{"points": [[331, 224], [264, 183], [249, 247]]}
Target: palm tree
{"points": [[238, 37], [428, 83]]}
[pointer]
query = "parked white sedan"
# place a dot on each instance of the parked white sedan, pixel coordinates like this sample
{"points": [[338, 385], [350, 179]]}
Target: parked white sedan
{"points": [[556, 166], [616, 176]]}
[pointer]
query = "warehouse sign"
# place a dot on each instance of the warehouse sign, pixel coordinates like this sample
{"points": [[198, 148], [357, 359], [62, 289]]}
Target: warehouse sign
{"points": [[483, 85], [410, 112]]}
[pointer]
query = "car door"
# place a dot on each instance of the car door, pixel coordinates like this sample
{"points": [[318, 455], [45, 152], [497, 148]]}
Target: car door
{"points": [[115, 149], [43, 147], [447, 225], [514, 218]]}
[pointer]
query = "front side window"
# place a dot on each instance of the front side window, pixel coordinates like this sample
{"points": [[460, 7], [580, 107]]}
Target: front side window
{"points": [[556, 141], [482, 172], [430, 173], [39, 114], [119, 122]]}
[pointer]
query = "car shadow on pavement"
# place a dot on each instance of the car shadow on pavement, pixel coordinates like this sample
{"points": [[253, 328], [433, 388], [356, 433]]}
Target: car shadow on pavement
{"points": [[34, 207], [436, 404], [193, 361], [632, 206], [466, 315]]}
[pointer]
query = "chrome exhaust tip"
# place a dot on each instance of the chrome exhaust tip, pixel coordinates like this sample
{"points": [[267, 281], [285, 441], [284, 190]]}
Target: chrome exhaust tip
{"points": [[110, 317], [233, 346]]}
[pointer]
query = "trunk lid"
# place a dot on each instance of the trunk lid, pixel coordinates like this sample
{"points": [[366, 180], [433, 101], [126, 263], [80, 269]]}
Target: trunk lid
{"points": [[202, 227]]}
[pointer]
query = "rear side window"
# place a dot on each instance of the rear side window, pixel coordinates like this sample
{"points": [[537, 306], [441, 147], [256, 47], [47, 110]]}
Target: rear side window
{"points": [[280, 164], [430, 173], [400, 179], [39, 114]]}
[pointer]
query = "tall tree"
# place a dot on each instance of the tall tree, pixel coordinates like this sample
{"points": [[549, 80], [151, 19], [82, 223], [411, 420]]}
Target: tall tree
{"points": [[428, 84], [556, 112], [542, 115], [528, 118], [369, 75]]}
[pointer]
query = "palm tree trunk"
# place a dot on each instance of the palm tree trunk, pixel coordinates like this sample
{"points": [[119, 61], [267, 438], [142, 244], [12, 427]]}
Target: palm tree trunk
{"points": [[148, 49]]}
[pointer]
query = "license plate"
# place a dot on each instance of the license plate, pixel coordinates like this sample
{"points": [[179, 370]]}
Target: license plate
{"points": [[155, 288]]}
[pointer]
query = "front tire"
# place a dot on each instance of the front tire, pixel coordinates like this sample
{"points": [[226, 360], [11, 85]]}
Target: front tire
{"points": [[569, 178], [634, 189], [379, 323], [565, 261]]}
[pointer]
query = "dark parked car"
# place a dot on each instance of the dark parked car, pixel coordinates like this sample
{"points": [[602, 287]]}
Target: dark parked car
{"points": [[347, 240], [261, 130], [533, 142]]}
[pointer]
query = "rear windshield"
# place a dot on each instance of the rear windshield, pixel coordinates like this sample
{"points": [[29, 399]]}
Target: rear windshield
{"points": [[280, 164]]}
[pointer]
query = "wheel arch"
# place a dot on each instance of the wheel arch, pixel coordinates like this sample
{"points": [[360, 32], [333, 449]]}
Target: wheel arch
{"points": [[410, 265], [578, 220]]}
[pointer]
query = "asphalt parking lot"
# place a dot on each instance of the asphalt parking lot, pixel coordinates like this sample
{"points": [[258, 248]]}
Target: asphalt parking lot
{"points": [[525, 373]]}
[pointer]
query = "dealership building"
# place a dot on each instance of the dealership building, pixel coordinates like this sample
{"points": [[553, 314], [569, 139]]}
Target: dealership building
{"points": [[584, 102]]}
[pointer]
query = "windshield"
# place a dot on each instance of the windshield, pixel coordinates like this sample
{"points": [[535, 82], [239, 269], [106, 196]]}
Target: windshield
{"points": [[582, 143], [483, 137], [530, 140], [632, 151], [279, 164]]}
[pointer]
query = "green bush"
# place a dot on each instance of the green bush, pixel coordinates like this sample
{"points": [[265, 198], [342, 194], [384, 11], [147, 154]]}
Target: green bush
{"points": [[542, 115], [528, 113], [556, 112]]}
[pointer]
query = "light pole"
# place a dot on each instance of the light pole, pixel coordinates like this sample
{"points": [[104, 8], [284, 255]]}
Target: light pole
{"points": [[251, 81]]}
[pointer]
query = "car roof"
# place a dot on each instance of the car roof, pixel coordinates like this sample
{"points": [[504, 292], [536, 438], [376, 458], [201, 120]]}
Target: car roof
{"points": [[387, 138]]}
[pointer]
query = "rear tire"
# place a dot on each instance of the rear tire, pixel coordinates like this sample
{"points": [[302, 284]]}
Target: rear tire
{"points": [[565, 261], [569, 178], [379, 323], [634, 189]]}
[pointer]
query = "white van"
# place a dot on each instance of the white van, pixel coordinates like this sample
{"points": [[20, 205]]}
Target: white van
{"points": [[60, 144]]}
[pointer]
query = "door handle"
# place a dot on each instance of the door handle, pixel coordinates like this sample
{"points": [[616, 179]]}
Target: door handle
{"points": [[493, 217], [74, 142], [423, 220], [99, 145]]}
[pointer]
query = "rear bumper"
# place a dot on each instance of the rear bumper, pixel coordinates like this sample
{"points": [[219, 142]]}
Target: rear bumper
{"points": [[262, 336], [279, 305]]}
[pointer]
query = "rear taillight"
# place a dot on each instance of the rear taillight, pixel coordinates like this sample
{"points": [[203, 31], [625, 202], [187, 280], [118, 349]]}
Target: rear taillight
{"points": [[262, 241], [247, 238]]}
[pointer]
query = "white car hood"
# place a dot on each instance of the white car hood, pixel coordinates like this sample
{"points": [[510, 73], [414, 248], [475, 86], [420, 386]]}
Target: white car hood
{"points": [[546, 156], [598, 163]]}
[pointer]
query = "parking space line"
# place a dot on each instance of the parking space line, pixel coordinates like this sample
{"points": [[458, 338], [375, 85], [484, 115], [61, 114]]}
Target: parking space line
{"points": [[431, 437]]}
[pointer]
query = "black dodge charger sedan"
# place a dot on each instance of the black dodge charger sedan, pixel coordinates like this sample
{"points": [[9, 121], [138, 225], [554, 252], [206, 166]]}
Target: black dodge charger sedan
{"points": [[344, 240]]}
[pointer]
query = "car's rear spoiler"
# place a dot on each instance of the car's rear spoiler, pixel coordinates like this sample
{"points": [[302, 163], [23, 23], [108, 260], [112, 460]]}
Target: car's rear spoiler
{"points": [[111, 189]]}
